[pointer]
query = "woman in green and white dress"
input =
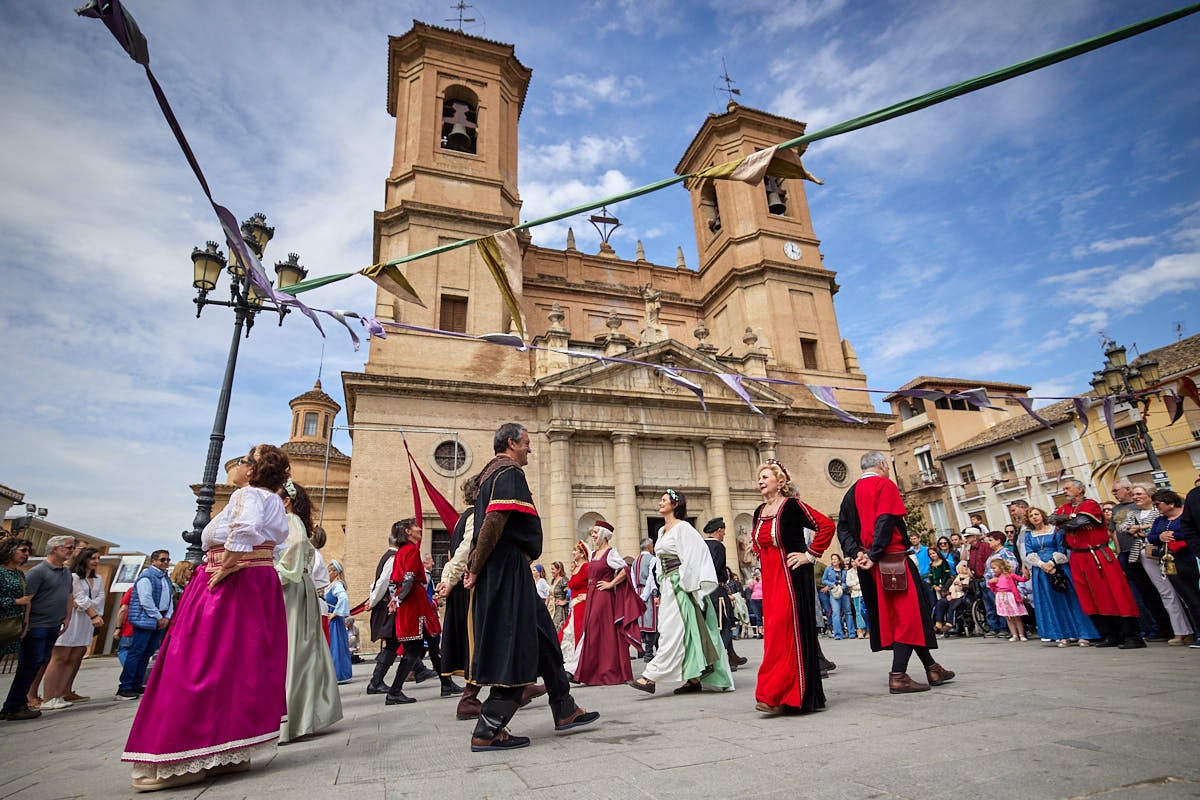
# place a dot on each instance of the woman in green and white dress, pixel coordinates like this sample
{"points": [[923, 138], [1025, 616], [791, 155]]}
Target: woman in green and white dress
{"points": [[313, 701], [689, 644]]}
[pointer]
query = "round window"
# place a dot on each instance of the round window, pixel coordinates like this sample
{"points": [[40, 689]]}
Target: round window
{"points": [[838, 471], [450, 456]]}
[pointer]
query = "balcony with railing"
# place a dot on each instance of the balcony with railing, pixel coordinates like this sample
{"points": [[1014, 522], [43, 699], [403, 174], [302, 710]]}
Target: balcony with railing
{"points": [[923, 479], [1130, 444]]}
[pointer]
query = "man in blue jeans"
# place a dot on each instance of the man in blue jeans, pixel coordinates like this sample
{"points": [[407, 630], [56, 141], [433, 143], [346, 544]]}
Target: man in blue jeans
{"points": [[48, 585], [149, 612]]}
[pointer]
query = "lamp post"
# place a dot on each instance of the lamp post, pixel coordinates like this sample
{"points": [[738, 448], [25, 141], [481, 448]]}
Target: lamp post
{"points": [[244, 299], [1121, 377]]}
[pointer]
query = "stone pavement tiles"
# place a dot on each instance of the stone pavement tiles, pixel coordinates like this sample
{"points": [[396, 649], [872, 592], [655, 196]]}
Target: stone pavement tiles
{"points": [[1021, 721]]}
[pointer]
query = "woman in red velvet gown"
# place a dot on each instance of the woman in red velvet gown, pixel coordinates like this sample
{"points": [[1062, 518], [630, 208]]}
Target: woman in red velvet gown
{"points": [[789, 680], [570, 636], [611, 622]]}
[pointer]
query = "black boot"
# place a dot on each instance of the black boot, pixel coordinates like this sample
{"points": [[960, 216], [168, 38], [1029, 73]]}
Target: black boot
{"points": [[1131, 638], [1110, 636], [383, 662]]}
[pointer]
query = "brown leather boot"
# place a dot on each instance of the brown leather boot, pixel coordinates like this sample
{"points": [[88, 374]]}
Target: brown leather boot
{"points": [[900, 683], [469, 704], [938, 674]]}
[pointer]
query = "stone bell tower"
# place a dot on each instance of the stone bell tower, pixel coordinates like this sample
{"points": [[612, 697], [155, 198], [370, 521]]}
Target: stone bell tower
{"points": [[456, 99], [762, 276]]}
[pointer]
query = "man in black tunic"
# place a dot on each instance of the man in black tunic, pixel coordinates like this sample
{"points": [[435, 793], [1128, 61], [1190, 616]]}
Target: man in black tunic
{"points": [[513, 640], [714, 537]]}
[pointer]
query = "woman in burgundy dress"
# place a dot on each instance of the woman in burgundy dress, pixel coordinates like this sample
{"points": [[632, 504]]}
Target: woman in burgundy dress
{"points": [[789, 680], [611, 622]]}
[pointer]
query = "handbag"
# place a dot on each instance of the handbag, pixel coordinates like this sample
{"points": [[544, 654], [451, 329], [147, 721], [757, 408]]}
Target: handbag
{"points": [[11, 629], [837, 591], [1059, 581], [893, 572]]}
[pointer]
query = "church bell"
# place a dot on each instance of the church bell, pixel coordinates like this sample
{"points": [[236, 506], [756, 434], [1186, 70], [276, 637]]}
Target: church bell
{"points": [[458, 138], [775, 203]]}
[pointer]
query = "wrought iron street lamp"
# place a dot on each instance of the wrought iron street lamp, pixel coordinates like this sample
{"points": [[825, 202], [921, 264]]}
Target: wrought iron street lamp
{"points": [[1119, 377], [245, 300]]}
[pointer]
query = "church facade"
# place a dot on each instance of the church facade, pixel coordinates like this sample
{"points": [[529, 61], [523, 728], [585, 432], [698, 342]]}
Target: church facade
{"points": [[608, 437]]}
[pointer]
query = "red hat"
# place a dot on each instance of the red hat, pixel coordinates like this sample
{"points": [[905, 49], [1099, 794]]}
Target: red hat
{"points": [[602, 524]]}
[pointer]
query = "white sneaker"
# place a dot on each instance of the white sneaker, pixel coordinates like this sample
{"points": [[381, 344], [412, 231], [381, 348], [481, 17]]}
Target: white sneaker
{"points": [[56, 704], [1012, 638]]}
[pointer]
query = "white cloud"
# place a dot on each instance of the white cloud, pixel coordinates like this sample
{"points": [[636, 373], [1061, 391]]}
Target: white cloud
{"points": [[577, 92], [1112, 245], [581, 156]]}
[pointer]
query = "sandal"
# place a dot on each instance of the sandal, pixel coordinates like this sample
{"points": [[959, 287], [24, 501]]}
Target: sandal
{"points": [[642, 684], [691, 687]]}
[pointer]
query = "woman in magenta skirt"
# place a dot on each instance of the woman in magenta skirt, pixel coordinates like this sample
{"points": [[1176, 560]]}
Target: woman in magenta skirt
{"points": [[208, 709]]}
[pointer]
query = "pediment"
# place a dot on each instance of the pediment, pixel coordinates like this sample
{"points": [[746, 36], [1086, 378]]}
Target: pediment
{"points": [[617, 377]]}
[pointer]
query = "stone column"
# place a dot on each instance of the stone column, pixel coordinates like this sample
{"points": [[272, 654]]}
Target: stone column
{"points": [[766, 448], [561, 507], [629, 529], [718, 490]]}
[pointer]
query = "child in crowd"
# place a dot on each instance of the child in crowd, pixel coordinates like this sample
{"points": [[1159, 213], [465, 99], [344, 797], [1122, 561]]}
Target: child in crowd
{"points": [[948, 605], [1008, 598]]}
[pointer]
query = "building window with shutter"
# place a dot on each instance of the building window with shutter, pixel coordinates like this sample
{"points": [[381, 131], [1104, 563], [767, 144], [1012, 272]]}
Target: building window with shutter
{"points": [[1051, 458], [808, 351], [310, 423], [454, 314]]}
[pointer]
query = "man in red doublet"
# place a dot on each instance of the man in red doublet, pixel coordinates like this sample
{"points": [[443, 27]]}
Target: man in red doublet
{"points": [[871, 530], [1103, 590]]}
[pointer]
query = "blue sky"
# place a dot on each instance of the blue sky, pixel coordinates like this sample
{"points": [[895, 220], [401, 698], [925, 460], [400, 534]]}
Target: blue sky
{"points": [[991, 237]]}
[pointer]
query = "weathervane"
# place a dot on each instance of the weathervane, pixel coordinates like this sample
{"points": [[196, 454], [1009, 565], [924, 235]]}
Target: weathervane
{"points": [[460, 7], [729, 82], [605, 224]]}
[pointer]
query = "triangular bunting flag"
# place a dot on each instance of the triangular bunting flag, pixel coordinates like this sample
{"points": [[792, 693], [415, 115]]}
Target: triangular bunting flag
{"points": [[734, 382], [502, 254], [389, 278], [824, 395]]}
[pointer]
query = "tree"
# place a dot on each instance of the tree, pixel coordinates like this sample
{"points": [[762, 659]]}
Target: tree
{"points": [[915, 521]]}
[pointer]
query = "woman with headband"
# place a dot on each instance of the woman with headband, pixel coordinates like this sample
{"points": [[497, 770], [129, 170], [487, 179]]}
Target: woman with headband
{"points": [[337, 604], [313, 700], [789, 680], [216, 697], [689, 645], [570, 635], [610, 624]]}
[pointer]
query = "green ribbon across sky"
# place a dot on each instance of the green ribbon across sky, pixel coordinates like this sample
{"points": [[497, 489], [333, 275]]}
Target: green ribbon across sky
{"points": [[857, 123]]}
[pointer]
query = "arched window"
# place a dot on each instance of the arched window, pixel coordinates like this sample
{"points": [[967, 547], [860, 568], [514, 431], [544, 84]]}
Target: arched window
{"points": [[709, 210], [460, 130]]}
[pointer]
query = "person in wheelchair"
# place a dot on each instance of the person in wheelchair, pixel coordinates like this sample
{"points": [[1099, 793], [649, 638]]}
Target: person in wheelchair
{"points": [[947, 609]]}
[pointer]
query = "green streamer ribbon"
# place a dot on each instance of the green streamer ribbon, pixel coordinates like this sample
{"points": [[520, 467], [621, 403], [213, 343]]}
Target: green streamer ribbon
{"points": [[857, 123]]}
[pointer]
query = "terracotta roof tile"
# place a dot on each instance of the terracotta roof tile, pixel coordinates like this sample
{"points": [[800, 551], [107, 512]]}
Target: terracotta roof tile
{"points": [[1018, 424]]}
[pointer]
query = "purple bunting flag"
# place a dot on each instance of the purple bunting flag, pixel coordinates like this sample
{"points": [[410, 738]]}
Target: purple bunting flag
{"points": [[734, 382], [977, 397], [341, 316], [824, 395], [1108, 416], [1027, 404], [1082, 404], [373, 326], [677, 379]]}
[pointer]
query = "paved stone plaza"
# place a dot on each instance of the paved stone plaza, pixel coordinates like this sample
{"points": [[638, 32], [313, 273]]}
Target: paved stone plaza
{"points": [[1021, 721]]}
